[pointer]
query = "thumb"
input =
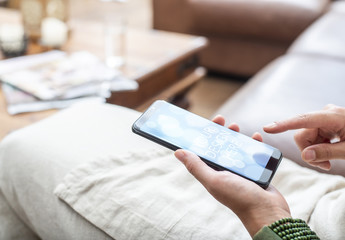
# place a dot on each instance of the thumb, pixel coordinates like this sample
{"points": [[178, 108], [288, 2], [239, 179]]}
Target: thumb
{"points": [[194, 165], [324, 152]]}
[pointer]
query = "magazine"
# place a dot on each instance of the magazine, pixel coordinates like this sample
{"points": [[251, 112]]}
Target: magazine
{"points": [[57, 80], [21, 102], [56, 75]]}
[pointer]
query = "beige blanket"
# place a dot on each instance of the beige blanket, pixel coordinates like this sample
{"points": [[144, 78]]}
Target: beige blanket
{"points": [[150, 195]]}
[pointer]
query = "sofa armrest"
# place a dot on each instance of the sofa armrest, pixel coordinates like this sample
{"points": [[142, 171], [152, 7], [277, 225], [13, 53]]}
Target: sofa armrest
{"points": [[325, 37], [291, 85], [172, 15]]}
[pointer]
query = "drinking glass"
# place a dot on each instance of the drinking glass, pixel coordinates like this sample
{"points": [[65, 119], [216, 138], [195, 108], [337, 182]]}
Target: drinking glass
{"points": [[115, 27]]}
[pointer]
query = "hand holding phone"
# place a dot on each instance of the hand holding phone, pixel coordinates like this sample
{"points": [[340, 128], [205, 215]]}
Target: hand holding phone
{"points": [[252, 204], [218, 146]]}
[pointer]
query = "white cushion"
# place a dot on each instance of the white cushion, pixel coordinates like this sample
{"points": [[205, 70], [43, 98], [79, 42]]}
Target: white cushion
{"points": [[111, 184]]}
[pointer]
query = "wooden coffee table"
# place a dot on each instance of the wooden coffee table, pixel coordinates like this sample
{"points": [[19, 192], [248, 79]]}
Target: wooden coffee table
{"points": [[165, 65]]}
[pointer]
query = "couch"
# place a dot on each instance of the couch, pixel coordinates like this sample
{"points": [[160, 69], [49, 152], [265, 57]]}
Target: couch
{"points": [[82, 174], [307, 78], [244, 36]]}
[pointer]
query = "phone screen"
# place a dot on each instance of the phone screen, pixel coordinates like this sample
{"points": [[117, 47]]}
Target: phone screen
{"points": [[221, 147]]}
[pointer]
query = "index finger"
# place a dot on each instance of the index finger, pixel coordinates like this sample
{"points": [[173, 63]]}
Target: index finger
{"points": [[308, 120]]}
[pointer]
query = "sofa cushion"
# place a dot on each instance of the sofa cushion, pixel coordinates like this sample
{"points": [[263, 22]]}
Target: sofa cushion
{"points": [[110, 184], [281, 20], [326, 36], [291, 85], [30, 169]]}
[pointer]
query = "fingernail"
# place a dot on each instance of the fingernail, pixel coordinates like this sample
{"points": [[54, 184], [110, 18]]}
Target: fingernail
{"points": [[310, 155], [180, 154], [324, 167], [271, 125]]}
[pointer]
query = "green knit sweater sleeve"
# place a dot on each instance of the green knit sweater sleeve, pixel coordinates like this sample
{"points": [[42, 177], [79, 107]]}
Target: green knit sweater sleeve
{"points": [[266, 234], [286, 228]]}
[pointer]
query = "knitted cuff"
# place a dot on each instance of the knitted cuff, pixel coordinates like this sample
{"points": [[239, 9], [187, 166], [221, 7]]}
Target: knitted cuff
{"points": [[290, 229]]}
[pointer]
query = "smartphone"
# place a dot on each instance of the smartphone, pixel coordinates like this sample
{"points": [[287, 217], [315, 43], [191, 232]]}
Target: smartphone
{"points": [[218, 146]]}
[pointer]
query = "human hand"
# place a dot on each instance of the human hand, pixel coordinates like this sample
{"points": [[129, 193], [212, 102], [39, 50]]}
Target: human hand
{"points": [[255, 206], [322, 136]]}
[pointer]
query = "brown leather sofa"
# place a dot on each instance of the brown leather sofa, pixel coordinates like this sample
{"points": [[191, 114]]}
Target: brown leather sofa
{"points": [[310, 76], [244, 36]]}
